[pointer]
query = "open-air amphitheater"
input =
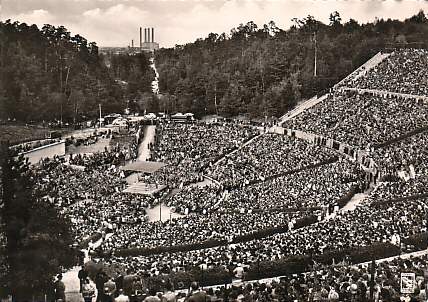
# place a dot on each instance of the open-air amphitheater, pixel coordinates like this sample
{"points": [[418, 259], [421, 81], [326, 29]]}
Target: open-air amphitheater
{"points": [[340, 181]]}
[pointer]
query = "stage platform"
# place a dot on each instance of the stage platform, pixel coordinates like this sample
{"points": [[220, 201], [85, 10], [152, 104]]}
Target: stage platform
{"points": [[144, 188], [143, 166]]}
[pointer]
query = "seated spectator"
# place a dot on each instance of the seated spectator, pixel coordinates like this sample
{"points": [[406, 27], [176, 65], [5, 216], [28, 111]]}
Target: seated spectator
{"points": [[197, 295]]}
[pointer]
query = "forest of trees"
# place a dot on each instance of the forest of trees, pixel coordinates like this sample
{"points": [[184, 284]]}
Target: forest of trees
{"points": [[47, 74], [265, 71], [135, 70], [39, 238]]}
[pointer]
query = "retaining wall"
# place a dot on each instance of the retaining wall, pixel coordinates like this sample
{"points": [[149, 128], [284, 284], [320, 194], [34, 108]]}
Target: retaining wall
{"points": [[48, 151]]}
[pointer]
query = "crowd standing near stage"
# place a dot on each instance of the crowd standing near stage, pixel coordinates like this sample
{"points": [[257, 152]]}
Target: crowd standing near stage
{"points": [[115, 154]]}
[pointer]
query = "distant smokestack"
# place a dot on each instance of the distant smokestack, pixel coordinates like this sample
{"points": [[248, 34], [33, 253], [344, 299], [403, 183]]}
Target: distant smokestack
{"points": [[145, 35], [153, 35], [141, 37], [132, 43]]}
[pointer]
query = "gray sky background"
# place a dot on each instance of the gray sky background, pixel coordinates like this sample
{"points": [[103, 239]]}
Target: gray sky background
{"points": [[116, 22]]}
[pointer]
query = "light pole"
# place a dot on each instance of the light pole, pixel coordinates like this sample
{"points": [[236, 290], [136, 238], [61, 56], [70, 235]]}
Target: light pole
{"points": [[160, 210], [99, 105]]}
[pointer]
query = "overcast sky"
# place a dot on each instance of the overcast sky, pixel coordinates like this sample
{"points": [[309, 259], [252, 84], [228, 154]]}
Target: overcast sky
{"points": [[116, 22]]}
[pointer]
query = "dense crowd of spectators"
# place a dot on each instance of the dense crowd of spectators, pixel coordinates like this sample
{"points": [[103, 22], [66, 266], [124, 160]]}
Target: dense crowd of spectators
{"points": [[268, 184], [94, 201], [402, 154], [195, 229], [115, 154], [329, 183], [369, 223], [268, 155], [335, 283], [196, 199], [78, 192], [89, 139], [188, 149], [404, 71], [239, 206], [108, 213], [362, 119], [65, 185], [401, 188], [379, 281]]}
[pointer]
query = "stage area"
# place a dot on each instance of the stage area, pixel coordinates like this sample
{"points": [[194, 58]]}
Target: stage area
{"points": [[143, 166], [144, 188]]}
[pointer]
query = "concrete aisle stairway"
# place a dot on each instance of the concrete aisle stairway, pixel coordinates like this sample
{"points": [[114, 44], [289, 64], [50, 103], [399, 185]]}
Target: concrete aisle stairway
{"points": [[363, 69], [149, 137], [72, 285], [301, 107], [354, 202]]}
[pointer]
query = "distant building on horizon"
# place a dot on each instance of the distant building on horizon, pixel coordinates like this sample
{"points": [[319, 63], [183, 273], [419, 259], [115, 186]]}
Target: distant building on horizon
{"points": [[149, 44]]}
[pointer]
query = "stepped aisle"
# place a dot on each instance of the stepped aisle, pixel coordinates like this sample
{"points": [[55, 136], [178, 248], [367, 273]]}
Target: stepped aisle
{"points": [[72, 285], [301, 107], [363, 69], [143, 148]]}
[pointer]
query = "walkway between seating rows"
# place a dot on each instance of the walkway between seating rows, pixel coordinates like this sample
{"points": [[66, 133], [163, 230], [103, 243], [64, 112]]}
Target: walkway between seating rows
{"points": [[143, 148]]}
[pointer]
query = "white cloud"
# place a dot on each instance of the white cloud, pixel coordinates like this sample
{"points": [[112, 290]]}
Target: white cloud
{"points": [[116, 22], [37, 16]]}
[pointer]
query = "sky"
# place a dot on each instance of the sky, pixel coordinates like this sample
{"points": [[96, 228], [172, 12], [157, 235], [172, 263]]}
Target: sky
{"points": [[116, 22]]}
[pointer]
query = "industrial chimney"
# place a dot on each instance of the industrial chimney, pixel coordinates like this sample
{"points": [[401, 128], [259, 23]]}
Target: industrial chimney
{"points": [[141, 37], [153, 35], [132, 43]]}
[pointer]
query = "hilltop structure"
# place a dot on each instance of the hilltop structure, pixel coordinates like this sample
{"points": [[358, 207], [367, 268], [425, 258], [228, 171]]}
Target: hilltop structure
{"points": [[148, 46]]}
